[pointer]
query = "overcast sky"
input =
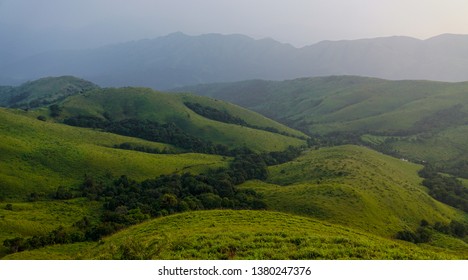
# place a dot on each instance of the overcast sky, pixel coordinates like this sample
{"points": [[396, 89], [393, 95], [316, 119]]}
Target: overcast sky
{"points": [[89, 23]]}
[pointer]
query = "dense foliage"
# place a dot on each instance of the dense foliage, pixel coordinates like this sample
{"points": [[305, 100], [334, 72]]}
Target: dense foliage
{"points": [[223, 116], [424, 232], [214, 114], [446, 189], [139, 148], [168, 133], [127, 202]]}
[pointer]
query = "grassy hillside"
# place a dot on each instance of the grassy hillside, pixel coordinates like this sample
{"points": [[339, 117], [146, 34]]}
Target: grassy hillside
{"points": [[426, 119], [26, 219], [356, 187], [39, 156], [343, 202], [222, 234], [43, 91], [146, 104], [344, 103]]}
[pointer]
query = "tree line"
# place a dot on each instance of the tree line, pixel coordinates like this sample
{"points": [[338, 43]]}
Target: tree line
{"points": [[424, 232], [447, 189], [223, 116], [126, 202], [168, 133]]}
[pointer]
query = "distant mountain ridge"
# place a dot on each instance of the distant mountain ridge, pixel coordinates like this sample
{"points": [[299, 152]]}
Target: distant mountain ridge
{"points": [[178, 59]]}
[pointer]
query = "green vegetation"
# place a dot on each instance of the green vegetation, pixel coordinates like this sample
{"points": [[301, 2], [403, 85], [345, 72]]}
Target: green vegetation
{"points": [[214, 114], [353, 186], [223, 116], [26, 219], [38, 157], [132, 173], [43, 92], [447, 189], [223, 234], [148, 106], [420, 120], [425, 231]]}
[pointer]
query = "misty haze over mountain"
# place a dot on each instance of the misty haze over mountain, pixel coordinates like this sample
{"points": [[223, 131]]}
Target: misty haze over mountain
{"points": [[178, 59]]}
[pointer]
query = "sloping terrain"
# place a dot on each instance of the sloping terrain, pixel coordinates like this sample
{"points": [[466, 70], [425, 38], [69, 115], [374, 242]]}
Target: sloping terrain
{"points": [[420, 120], [342, 202], [222, 234], [356, 187], [43, 91], [39, 156], [147, 105]]}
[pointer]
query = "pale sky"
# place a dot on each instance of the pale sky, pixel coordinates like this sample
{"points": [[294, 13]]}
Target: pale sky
{"points": [[90, 23]]}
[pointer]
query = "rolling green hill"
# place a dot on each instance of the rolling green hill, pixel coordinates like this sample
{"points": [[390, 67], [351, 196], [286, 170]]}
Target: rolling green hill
{"points": [[39, 153], [426, 120], [356, 187], [147, 105], [43, 91], [39, 156], [221, 234], [342, 202]]}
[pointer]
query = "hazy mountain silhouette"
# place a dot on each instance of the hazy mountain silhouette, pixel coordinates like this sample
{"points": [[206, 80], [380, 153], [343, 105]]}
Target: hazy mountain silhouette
{"points": [[178, 59]]}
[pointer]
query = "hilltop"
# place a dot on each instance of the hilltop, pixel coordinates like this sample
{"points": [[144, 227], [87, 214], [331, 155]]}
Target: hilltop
{"points": [[353, 186], [42, 92]]}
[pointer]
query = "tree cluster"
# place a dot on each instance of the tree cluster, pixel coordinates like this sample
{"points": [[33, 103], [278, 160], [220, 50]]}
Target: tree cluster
{"points": [[168, 133], [214, 114], [127, 202], [422, 235], [424, 232], [446, 189], [223, 116], [144, 149], [459, 168], [55, 110]]}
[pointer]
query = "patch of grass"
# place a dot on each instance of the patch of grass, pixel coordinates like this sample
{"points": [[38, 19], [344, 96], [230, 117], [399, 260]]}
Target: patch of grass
{"points": [[26, 219]]}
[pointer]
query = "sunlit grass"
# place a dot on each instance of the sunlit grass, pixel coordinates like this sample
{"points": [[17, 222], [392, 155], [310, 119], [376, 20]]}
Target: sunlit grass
{"points": [[241, 235], [353, 186]]}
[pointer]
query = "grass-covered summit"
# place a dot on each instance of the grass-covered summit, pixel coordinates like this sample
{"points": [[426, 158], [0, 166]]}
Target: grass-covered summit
{"points": [[43, 91], [356, 187]]}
